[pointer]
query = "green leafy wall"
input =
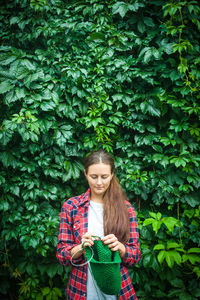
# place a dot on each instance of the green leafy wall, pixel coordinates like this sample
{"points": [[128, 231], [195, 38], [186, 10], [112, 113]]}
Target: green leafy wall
{"points": [[79, 75]]}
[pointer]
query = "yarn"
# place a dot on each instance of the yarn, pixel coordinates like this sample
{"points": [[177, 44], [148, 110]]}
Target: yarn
{"points": [[105, 266]]}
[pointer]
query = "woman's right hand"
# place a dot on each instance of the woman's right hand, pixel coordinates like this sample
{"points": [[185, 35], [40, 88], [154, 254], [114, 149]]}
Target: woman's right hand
{"points": [[87, 239]]}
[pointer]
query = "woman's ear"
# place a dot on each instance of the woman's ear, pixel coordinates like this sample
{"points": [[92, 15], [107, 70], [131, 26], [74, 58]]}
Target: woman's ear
{"points": [[85, 173]]}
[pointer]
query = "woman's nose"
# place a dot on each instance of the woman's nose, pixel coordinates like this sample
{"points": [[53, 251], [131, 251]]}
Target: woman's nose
{"points": [[99, 180]]}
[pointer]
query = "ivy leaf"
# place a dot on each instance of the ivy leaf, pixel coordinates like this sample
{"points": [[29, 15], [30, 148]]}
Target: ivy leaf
{"points": [[153, 111], [46, 291], [171, 245], [147, 260], [193, 258], [141, 28], [194, 250], [39, 297], [177, 283], [148, 221], [97, 36], [20, 93], [33, 242], [73, 169], [52, 270], [170, 222], [159, 247], [169, 259], [28, 65], [5, 86], [47, 106], [161, 256], [148, 21], [4, 205], [121, 8], [7, 59]]}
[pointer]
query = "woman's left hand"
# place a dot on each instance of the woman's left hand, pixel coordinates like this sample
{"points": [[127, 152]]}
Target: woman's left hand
{"points": [[114, 245]]}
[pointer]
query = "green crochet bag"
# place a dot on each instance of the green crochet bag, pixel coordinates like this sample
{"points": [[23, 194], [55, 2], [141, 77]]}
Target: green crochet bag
{"points": [[105, 267]]}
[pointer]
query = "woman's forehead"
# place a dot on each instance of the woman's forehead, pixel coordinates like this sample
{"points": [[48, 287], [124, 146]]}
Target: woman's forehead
{"points": [[100, 168]]}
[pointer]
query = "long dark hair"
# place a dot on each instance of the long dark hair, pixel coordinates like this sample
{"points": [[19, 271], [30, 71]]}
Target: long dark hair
{"points": [[115, 213]]}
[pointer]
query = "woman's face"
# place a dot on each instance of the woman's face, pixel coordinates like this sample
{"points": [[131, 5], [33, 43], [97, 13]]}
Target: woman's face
{"points": [[99, 177]]}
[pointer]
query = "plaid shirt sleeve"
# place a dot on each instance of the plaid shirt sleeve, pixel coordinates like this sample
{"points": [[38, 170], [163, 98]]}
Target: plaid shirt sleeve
{"points": [[133, 254], [66, 238]]}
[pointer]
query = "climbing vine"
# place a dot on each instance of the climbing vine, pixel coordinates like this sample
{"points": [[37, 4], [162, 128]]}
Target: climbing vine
{"points": [[81, 75]]}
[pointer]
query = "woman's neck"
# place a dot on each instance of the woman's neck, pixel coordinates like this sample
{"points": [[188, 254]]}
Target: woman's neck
{"points": [[96, 198]]}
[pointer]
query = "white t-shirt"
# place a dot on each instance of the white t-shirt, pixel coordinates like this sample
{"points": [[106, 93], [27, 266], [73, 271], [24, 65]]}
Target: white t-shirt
{"points": [[95, 226]]}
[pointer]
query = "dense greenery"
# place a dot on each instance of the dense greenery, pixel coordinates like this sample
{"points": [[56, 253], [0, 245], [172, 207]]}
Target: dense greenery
{"points": [[78, 75]]}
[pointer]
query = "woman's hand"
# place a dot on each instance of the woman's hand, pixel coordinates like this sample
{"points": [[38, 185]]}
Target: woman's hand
{"points": [[87, 239], [114, 245]]}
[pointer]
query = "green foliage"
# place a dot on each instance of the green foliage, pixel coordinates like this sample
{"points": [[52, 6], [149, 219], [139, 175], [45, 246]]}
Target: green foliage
{"points": [[79, 75]]}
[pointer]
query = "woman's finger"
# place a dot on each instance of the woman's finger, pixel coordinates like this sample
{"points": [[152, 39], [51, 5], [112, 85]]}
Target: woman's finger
{"points": [[109, 239], [112, 245], [87, 239], [88, 235]]}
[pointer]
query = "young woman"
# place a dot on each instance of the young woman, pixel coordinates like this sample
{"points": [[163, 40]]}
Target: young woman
{"points": [[102, 211]]}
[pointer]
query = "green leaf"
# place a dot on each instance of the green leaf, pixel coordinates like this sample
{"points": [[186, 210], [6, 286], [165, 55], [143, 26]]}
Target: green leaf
{"points": [[33, 242], [148, 221], [73, 169], [148, 53], [193, 258], [52, 270], [147, 260], [194, 250], [46, 291], [159, 247], [148, 21], [171, 245], [170, 222], [156, 225], [57, 292], [5, 86], [47, 106], [14, 20], [39, 297], [185, 296], [177, 283], [10, 97], [141, 28], [169, 259], [20, 93], [7, 59], [153, 110], [97, 36], [4, 205], [161, 256], [120, 8], [49, 297], [28, 65], [176, 257]]}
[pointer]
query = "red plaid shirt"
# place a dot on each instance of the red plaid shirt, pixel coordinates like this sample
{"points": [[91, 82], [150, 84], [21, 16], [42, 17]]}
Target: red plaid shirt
{"points": [[73, 224]]}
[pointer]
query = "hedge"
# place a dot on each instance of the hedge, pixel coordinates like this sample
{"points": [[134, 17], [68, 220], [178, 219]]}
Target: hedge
{"points": [[81, 75]]}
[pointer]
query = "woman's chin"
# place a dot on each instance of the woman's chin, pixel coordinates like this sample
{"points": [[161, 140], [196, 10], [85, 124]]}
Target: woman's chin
{"points": [[99, 191]]}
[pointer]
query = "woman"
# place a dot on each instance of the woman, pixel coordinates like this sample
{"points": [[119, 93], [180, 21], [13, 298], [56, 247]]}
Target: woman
{"points": [[102, 211]]}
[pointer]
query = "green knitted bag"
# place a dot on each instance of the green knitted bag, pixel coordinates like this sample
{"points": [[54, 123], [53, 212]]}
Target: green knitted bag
{"points": [[105, 266]]}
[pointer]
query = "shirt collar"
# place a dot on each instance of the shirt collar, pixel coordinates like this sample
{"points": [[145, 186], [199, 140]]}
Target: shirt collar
{"points": [[85, 198]]}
